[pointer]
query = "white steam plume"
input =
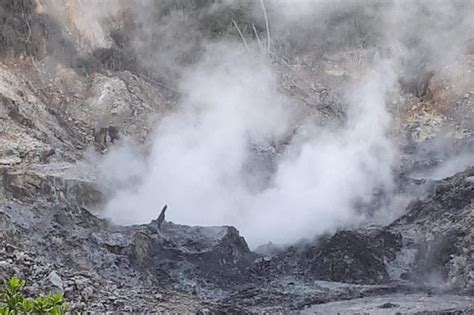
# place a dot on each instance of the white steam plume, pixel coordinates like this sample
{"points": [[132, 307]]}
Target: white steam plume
{"points": [[201, 160], [200, 153], [315, 188]]}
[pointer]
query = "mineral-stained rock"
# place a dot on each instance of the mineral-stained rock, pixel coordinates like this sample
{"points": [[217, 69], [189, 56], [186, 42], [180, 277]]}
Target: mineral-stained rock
{"points": [[213, 253], [430, 244], [349, 257], [35, 184], [439, 230]]}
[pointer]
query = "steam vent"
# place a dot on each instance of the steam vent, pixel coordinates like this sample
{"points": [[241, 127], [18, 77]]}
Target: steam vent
{"points": [[237, 157]]}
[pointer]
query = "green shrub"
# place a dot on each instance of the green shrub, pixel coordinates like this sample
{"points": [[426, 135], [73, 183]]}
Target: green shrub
{"points": [[14, 302]]}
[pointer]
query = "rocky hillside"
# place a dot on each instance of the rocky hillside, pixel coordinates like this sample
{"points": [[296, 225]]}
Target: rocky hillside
{"points": [[79, 80]]}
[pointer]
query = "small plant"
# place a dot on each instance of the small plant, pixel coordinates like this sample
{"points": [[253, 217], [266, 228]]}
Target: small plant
{"points": [[13, 302]]}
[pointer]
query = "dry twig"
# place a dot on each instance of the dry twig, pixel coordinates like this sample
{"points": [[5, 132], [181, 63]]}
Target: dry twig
{"points": [[241, 35], [257, 37], [266, 24]]}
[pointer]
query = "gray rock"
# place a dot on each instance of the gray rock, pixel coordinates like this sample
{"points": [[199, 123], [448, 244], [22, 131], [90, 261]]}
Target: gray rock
{"points": [[55, 280]]}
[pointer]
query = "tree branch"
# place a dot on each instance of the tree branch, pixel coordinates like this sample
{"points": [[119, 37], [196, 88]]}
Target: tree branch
{"points": [[266, 24], [241, 35]]}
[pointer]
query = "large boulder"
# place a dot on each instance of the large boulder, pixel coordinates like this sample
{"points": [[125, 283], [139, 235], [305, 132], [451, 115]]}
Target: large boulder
{"points": [[437, 235], [353, 257], [213, 253]]}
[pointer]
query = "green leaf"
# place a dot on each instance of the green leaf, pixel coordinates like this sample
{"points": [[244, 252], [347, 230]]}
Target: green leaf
{"points": [[4, 310], [56, 310], [15, 284], [15, 303], [57, 299], [41, 304], [27, 305]]}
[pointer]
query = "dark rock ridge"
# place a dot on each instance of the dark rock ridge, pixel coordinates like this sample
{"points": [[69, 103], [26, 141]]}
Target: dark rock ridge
{"points": [[439, 231], [431, 244], [428, 248]]}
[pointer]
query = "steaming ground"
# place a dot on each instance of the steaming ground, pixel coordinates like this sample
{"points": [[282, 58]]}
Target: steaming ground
{"points": [[199, 162], [346, 117], [205, 156]]}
